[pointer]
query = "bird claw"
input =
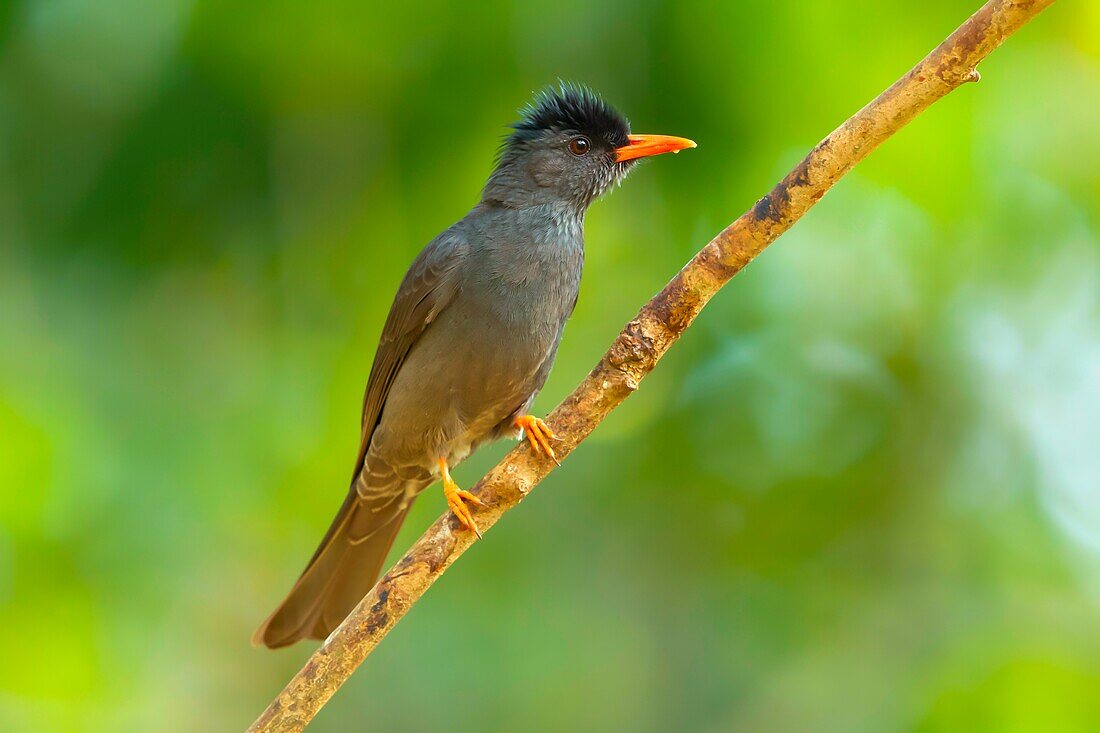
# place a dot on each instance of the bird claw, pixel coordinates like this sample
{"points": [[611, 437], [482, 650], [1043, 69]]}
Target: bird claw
{"points": [[538, 435], [457, 498]]}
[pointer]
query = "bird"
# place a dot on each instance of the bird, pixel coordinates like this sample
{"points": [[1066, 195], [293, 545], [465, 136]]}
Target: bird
{"points": [[469, 341]]}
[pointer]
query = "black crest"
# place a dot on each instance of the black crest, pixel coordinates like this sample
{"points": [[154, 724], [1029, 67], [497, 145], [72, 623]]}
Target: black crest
{"points": [[571, 107]]}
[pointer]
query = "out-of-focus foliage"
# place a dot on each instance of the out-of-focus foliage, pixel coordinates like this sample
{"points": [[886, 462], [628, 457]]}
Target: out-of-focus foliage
{"points": [[862, 494]]}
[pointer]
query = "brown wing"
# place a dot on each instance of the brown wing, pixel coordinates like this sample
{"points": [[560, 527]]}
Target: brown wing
{"points": [[429, 286], [349, 558]]}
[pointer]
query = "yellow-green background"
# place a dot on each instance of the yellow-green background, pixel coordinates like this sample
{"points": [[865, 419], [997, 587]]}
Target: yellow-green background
{"points": [[862, 494]]}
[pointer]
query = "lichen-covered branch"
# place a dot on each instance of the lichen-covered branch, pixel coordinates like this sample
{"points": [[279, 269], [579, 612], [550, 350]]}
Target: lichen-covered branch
{"points": [[639, 347]]}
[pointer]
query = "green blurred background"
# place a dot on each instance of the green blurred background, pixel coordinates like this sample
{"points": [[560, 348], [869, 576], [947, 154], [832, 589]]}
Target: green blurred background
{"points": [[862, 494]]}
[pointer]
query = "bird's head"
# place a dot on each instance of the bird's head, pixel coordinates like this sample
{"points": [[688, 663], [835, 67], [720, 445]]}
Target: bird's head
{"points": [[570, 146]]}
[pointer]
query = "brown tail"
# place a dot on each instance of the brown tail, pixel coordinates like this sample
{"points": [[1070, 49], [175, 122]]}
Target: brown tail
{"points": [[342, 571]]}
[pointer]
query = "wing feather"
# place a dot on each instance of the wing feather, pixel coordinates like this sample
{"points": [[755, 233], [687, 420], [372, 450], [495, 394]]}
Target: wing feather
{"points": [[429, 287]]}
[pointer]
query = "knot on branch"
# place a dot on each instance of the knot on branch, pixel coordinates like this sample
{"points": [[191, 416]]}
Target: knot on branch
{"points": [[379, 614], [776, 204], [954, 75], [632, 353]]}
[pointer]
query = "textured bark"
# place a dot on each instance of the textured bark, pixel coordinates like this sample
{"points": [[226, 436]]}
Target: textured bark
{"points": [[639, 347]]}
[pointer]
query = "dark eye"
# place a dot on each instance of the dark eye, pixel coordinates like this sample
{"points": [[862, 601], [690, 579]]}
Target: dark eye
{"points": [[579, 145]]}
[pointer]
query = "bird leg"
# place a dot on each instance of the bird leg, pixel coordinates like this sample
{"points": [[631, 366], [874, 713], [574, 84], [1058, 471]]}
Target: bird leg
{"points": [[457, 498], [538, 435]]}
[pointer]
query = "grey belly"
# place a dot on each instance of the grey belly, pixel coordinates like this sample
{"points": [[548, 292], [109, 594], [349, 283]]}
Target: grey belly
{"points": [[469, 371]]}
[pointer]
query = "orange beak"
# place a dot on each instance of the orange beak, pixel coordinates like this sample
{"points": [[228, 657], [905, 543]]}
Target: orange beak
{"points": [[642, 146]]}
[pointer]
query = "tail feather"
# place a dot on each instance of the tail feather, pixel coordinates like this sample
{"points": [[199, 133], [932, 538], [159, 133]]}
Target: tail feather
{"points": [[343, 569]]}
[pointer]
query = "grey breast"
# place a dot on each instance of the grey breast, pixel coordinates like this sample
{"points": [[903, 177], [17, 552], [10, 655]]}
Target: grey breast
{"points": [[487, 353]]}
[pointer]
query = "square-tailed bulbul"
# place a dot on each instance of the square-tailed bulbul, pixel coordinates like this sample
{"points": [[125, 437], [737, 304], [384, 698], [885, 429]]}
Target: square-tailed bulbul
{"points": [[469, 341]]}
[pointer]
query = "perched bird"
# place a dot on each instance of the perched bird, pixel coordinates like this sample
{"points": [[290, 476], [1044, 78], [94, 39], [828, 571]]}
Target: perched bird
{"points": [[469, 341]]}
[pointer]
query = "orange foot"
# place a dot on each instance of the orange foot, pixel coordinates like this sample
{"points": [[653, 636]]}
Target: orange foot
{"points": [[538, 435], [457, 498]]}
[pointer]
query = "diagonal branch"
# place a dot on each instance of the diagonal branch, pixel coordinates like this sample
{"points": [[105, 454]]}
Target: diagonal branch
{"points": [[639, 347]]}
